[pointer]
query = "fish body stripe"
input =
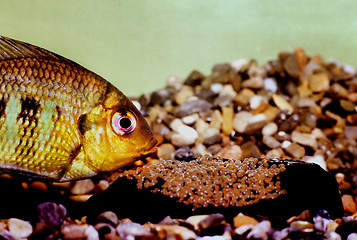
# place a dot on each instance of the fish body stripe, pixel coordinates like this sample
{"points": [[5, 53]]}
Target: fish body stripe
{"points": [[40, 105]]}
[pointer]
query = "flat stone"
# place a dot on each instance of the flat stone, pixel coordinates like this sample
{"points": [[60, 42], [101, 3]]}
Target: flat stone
{"points": [[193, 106], [282, 104], [305, 139]]}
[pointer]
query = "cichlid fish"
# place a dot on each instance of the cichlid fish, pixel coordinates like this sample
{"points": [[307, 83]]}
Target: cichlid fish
{"points": [[61, 121]]}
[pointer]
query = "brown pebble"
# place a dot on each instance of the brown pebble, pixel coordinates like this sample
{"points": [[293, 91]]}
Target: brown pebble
{"points": [[227, 113], [282, 104], [73, 231], [165, 151], [250, 150], [349, 204], [241, 220], [82, 187], [319, 82], [39, 185], [232, 151]]}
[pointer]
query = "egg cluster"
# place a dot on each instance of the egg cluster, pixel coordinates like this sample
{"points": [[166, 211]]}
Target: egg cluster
{"points": [[208, 181]]}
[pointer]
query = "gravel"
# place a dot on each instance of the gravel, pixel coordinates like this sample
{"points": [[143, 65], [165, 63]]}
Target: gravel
{"points": [[294, 107]]}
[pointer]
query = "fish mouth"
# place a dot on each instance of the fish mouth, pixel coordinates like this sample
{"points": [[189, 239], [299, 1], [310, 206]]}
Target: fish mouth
{"points": [[149, 148]]}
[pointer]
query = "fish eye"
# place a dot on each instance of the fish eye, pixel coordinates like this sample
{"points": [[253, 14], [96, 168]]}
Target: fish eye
{"points": [[123, 122]]}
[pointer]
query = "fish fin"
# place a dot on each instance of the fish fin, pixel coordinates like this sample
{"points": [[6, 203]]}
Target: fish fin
{"points": [[14, 49]]}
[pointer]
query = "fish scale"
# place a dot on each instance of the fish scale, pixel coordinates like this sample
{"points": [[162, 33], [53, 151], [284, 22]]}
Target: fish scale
{"points": [[56, 117]]}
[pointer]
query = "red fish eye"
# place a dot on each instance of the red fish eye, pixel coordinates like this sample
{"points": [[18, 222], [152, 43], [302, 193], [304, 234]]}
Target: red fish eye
{"points": [[123, 122]]}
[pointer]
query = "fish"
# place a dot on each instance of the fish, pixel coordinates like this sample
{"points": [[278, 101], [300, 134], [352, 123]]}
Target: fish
{"points": [[60, 121]]}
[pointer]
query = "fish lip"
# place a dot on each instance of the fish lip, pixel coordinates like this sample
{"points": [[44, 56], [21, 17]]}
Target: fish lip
{"points": [[149, 148]]}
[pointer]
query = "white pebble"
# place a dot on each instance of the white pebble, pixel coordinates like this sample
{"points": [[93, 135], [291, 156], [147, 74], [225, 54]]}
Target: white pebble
{"points": [[255, 101], [285, 144], [176, 123], [349, 69], [216, 87], [175, 82], [190, 119], [318, 133], [241, 120], [258, 118], [270, 129], [271, 85], [238, 64], [91, 233], [201, 126], [19, 228], [261, 231], [352, 236], [228, 90], [185, 136], [187, 131]]}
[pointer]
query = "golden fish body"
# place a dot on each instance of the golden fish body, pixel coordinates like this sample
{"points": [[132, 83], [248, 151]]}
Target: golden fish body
{"points": [[61, 121]]}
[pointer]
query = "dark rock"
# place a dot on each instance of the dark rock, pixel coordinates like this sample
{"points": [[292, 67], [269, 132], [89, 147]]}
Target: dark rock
{"points": [[51, 213], [222, 68], [215, 148], [184, 154], [217, 138], [193, 106], [207, 94], [287, 121], [212, 225], [160, 97], [291, 66], [250, 150], [194, 79]]}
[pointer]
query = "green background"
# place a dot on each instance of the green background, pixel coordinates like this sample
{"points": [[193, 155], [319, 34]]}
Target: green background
{"points": [[137, 44]]}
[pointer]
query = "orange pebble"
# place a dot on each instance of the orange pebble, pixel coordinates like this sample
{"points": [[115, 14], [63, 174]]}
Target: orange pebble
{"points": [[39, 185]]}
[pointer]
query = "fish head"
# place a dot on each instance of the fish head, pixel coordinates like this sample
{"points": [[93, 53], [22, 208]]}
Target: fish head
{"points": [[116, 134]]}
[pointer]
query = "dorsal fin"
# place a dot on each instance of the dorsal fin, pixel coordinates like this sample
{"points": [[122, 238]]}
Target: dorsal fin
{"points": [[13, 49]]}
